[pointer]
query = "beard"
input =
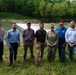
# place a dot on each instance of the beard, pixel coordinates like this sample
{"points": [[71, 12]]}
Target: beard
{"points": [[73, 26], [14, 28]]}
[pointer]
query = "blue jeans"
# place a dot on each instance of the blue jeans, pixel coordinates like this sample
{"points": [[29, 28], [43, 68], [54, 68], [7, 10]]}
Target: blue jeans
{"points": [[71, 50], [61, 50], [13, 51]]}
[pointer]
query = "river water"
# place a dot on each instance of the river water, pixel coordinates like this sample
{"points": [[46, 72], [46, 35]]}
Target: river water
{"points": [[34, 26]]}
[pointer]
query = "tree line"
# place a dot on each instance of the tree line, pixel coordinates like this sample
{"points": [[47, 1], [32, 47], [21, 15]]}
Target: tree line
{"points": [[40, 8]]}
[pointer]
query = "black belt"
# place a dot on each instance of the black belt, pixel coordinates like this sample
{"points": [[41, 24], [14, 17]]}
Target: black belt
{"points": [[28, 41], [14, 43], [72, 42]]}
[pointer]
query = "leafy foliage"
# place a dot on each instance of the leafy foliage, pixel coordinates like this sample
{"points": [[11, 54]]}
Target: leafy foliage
{"points": [[40, 8]]}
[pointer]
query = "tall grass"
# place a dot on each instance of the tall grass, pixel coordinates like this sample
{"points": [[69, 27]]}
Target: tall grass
{"points": [[21, 67]]}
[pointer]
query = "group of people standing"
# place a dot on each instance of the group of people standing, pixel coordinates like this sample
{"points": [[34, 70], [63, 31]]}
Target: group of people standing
{"points": [[53, 39]]}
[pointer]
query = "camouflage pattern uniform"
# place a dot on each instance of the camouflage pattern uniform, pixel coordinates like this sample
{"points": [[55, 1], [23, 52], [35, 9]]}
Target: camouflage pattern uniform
{"points": [[51, 38]]}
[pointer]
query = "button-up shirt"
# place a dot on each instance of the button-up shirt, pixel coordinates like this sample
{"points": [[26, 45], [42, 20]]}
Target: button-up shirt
{"points": [[1, 34], [12, 36], [61, 33], [28, 35], [70, 35]]}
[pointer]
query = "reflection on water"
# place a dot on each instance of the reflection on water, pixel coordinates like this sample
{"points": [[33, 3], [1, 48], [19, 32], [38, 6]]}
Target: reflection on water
{"points": [[34, 26]]}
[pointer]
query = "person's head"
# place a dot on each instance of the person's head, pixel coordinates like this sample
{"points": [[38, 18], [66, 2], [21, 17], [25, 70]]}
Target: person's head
{"points": [[41, 26], [61, 24], [52, 27], [28, 25], [14, 26], [72, 24]]}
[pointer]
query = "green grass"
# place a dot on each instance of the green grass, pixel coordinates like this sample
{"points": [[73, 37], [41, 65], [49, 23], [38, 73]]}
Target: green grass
{"points": [[13, 16], [6, 26], [28, 68]]}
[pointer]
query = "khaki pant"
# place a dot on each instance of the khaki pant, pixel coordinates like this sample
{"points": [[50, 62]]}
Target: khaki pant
{"points": [[40, 51]]}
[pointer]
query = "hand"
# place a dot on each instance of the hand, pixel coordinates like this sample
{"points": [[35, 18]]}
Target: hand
{"points": [[37, 46], [9, 46], [45, 44], [63, 44], [51, 45], [71, 45], [18, 44]]}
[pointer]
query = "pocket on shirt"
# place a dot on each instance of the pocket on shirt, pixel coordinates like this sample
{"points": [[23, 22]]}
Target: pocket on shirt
{"points": [[69, 33]]}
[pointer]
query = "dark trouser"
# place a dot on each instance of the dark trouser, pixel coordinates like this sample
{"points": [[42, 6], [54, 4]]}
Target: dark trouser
{"points": [[30, 45], [71, 52], [61, 50], [13, 52], [1, 51], [51, 53]]}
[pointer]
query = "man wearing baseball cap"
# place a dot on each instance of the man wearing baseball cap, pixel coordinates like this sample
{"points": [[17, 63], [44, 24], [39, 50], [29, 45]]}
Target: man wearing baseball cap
{"points": [[28, 40], [52, 41]]}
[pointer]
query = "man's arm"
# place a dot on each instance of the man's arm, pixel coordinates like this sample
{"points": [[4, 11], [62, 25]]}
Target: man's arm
{"points": [[7, 39]]}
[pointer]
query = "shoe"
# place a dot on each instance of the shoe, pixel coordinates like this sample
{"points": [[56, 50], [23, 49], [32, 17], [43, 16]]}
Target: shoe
{"points": [[63, 64], [32, 60], [10, 65], [36, 63]]}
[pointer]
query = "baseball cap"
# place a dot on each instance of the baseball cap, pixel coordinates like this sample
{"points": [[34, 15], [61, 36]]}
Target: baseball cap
{"points": [[52, 25]]}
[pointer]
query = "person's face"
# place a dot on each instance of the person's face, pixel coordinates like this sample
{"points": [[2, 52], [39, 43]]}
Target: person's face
{"points": [[52, 28], [72, 24], [28, 26], [41, 26], [14, 26], [61, 25]]}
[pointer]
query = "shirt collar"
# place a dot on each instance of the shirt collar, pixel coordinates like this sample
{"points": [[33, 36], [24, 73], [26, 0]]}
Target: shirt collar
{"points": [[62, 28], [12, 30], [73, 28]]}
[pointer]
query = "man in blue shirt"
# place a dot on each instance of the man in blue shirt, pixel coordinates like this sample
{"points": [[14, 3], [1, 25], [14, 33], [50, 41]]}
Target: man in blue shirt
{"points": [[61, 43], [13, 41], [70, 37]]}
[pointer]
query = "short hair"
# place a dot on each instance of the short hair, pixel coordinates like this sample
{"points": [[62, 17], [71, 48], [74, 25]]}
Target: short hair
{"points": [[28, 22], [41, 23], [72, 21], [14, 23], [61, 21]]}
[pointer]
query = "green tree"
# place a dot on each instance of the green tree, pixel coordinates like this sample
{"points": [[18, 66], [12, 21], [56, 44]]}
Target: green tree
{"points": [[59, 9], [73, 9], [42, 8], [48, 9], [36, 4]]}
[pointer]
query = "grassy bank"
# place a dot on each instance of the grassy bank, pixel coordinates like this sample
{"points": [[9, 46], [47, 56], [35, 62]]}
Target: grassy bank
{"points": [[13, 16]]}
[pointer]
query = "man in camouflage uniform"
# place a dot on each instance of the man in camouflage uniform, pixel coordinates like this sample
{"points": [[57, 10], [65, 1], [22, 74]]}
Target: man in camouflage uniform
{"points": [[52, 41]]}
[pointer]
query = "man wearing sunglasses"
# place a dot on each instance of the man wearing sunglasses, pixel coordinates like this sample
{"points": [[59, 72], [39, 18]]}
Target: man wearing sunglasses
{"points": [[61, 43]]}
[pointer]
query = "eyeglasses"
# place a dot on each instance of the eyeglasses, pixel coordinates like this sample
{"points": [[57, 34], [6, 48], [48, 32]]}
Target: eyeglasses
{"points": [[52, 27]]}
